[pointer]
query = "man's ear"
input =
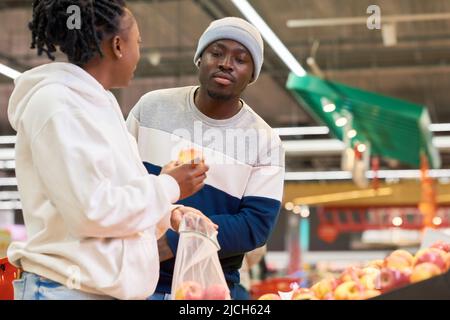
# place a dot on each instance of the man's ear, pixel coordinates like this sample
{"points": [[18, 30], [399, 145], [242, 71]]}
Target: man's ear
{"points": [[117, 47]]}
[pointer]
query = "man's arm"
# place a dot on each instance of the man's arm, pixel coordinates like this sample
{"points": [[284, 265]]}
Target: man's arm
{"points": [[165, 253]]}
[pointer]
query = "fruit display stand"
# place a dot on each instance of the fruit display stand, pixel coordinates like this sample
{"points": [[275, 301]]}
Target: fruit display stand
{"points": [[273, 286], [436, 288], [400, 275]]}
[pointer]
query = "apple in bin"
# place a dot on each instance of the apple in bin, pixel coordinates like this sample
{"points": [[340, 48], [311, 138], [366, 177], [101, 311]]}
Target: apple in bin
{"points": [[432, 255], [303, 294], [444, 246], [324, 286], [350, 274], [349, 290], [393, 278], [399, 259], [424, 271], [189, 290], [378, 264], [217, 292], [269, 296]]}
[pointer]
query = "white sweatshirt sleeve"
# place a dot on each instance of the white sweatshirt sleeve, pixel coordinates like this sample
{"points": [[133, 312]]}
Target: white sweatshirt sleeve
{"points": [[78, 167]]}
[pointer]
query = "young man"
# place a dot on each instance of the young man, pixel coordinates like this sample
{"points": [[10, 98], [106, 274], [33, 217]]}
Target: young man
{"points": [[243, 190]]}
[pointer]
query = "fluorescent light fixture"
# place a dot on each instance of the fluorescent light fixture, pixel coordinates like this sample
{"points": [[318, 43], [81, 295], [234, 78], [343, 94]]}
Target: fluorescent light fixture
{"points": [[335, 146], [302, 131], [313, 147], [8, 182], [275, 43], [9, 72], [7, 139], [319, 130], [439, 127], [347, 175]]}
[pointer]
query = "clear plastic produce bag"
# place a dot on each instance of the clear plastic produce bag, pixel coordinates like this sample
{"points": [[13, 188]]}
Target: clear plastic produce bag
{"points": [[198, 274]]}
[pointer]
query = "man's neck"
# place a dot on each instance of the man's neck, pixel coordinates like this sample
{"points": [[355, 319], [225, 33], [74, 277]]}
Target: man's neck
{"points": [[215, 108]]}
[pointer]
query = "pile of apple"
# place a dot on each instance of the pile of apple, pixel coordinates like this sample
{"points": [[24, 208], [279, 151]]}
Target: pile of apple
{"points": [[398, 269], [192, 290]]}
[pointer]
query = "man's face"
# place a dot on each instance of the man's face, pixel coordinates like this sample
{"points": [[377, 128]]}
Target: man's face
{"points": [[226, 68]]}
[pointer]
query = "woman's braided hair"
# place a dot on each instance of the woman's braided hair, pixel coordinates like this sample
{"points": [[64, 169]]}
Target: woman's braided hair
{"points": [[99, 18]]}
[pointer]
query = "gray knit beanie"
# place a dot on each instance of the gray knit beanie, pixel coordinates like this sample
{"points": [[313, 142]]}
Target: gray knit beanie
{"points": [[236, 29]]}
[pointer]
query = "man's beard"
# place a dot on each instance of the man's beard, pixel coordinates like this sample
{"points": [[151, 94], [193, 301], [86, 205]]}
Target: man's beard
{"points": [[219, 96]]}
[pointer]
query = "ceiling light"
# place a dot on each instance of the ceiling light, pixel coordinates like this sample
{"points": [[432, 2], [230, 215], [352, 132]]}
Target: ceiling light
{"points": [[361, 147], [341, 122], [437, 221], [275, 43], [397, 221], [9, 72], [289, 206], [351, 134]]}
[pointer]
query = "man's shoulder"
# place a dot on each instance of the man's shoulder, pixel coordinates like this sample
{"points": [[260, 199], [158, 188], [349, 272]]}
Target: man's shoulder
{"points": [[255, 121]]}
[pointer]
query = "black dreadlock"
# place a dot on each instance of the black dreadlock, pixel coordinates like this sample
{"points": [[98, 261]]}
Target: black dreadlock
{"points": [[99, 18]]}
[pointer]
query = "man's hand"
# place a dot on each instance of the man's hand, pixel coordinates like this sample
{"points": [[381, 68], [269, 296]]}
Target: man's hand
{"points": [[190, 177]]}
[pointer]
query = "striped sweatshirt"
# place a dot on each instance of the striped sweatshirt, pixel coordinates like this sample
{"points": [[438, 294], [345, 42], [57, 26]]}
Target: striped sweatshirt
{"points": [[244, 185]]}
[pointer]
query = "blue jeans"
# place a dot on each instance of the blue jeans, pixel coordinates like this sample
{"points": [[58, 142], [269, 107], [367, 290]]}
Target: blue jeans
{"points": [[159, 296], [33, 287]]}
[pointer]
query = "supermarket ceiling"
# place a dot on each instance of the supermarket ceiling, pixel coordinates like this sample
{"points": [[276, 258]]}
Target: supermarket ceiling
{"points": [[415, 68]]}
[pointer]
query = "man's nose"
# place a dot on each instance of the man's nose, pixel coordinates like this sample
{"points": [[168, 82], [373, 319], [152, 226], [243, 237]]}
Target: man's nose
{"points": [[225, 62]]}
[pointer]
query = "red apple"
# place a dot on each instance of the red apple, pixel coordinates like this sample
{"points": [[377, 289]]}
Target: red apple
{"points": [[350, 274], [399, 259], [424, 271], [349, 290], [189, 290], [324, 286], [431, 255], [444, 246], [303, 294], [217, 292], [393, 278], [269, 296], [376, 264]]}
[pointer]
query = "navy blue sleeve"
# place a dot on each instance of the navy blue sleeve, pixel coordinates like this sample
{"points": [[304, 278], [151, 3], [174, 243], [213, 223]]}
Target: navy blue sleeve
{"points": [[243, 231]]}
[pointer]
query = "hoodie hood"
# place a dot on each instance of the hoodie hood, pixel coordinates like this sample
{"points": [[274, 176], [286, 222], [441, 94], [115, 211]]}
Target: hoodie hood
{"points": [[67, 74]]}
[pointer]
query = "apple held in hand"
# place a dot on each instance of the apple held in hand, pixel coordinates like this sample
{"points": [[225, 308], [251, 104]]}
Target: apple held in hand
{"points": [[190, 156], [432, 255], [217, 292], [424, 271], [189, 290], [269, 296]]}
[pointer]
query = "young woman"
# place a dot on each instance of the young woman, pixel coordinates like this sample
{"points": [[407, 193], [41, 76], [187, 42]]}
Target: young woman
{"points": [[90, 208]]}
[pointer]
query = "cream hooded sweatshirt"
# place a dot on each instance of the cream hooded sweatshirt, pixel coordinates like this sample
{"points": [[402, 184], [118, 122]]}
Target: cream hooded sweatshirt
{"points": [[91, 209]]}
